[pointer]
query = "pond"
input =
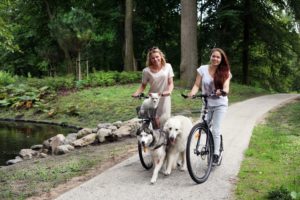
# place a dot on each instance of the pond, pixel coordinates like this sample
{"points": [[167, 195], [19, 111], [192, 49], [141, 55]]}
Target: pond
{"points": [[15, 136]]}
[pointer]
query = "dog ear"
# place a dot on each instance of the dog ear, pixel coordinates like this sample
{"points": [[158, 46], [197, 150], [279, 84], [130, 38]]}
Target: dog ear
{"points": [[150, 94], [138, 132]]}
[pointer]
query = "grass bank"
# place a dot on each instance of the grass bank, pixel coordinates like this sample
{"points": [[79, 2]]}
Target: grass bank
{"points": [[88, 107], [271, 169]]}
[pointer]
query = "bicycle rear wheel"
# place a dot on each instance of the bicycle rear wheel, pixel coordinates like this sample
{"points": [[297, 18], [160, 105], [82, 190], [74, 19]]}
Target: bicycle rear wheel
{"points": [[199, 153], [145, 157]]}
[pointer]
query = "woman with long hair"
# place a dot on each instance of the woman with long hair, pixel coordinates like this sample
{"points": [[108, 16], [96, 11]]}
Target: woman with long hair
{"points": [[214, 78]]}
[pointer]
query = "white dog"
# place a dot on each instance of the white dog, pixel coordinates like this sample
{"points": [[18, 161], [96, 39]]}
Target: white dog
{"points": [[155, 141], [149, 104], [177, 129]]}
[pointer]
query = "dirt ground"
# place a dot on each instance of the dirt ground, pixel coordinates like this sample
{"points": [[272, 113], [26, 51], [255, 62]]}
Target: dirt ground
{"points": [[112, 153]]}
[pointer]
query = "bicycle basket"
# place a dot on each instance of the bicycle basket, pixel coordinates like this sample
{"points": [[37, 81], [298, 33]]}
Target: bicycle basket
{"points": [[146, 114]]}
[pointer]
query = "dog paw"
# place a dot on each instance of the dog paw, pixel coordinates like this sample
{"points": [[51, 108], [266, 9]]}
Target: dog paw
{"points": [[152, 182], [167, 173], [182, 168]]}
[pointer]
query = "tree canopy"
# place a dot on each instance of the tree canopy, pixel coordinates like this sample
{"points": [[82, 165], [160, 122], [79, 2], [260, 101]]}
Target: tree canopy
{"points": [[43, 38]]}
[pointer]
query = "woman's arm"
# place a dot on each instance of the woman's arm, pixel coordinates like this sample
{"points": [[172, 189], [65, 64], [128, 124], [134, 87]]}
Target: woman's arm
{"points": [[170, 87], [139, 90], [196, 86], [225, 88]]}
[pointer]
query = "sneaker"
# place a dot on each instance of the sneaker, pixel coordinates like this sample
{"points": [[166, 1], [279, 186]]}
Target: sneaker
{"points": [[215, 159]]}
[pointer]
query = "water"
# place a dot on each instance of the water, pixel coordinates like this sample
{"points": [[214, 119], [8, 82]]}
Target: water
{"points": [[15, 136]]}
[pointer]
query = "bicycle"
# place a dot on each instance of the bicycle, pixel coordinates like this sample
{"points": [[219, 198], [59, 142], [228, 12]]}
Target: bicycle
{"points": [[148, 121], [200, 145]]}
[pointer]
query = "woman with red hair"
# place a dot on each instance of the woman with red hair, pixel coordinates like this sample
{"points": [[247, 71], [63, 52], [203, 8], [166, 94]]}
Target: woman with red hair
{"points": [[214, 78]]}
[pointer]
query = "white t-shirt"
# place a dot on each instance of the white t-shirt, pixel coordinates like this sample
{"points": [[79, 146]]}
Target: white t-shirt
{"points": [[208, 86], [158, 84]]}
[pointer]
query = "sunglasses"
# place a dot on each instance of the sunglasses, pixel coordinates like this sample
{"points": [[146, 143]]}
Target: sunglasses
{"points": [[152, 49]]}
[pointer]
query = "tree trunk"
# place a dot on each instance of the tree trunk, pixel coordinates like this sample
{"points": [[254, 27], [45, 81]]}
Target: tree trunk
{"points": [[246, 42], [189, 51], [79, 67], [129, 60]]}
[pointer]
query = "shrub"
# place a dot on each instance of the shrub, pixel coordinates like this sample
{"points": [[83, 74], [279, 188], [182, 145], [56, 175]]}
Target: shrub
{"points": [[6, 78], [129, 77], [55, 83], [279, 194]]}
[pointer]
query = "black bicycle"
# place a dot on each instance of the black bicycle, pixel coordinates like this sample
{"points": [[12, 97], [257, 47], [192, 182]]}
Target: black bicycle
{"points": [[200, 146], [148, 121]]}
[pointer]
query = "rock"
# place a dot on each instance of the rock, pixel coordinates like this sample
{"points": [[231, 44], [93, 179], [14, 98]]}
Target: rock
{"points": [[43, 155], [57, 141], [123, 131], [102, 133], [46, 144], [63, 149], [103, 125], [86, 140], [37, 147], [118, 124], [14, 161], [27, 154], [70, 138], [95, 130], [83, 132], [113, 128]]}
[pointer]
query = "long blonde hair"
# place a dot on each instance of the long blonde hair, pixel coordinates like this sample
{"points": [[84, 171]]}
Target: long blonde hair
{"points": [[155, 50]]}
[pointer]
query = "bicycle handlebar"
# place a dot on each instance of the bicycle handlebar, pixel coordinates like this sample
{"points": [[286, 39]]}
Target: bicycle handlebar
{"points": [[143, 96], [223, 93]]}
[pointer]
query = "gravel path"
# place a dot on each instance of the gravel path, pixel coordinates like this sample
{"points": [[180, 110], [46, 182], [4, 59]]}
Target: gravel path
{"points": [[129, 181]]}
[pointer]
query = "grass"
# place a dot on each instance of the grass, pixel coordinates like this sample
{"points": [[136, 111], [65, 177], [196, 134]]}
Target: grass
{"points": [[272, 160], [89, 107]]}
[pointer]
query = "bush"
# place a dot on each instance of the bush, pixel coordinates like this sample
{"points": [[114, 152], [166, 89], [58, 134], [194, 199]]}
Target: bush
{"points": [[279, 194], [55, 83], [103, 78], [129, 77], [6, 78]]}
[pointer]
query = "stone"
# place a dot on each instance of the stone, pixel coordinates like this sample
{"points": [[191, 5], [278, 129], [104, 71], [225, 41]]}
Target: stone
{"points": [[70, 138], [103, 125], [27, 154], [14, 161], [102, 133], [37, 147], [83, 132], [86, 140], [56, 141], [63, 149]]}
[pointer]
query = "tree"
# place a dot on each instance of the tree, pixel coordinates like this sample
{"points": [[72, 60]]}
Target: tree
{"points": [[189, 51], [6, 35], [129, 60], [74, 29]]}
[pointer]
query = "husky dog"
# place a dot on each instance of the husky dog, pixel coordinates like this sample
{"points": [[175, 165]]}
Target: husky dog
{"points": [[155, 141], [149, 104], [177, 129]]}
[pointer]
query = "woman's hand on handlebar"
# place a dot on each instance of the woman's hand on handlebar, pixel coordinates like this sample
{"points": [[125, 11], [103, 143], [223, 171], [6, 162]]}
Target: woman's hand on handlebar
{"points": [[220, 92]]}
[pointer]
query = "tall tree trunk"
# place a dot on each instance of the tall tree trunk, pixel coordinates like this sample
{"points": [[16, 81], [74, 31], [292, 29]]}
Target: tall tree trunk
{"points": [[246, 41], [189, 51], [129, 60]]}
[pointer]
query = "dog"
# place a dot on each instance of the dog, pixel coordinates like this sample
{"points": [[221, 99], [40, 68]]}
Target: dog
{"points": [[155, 141], [177, 129], [149, 105]]}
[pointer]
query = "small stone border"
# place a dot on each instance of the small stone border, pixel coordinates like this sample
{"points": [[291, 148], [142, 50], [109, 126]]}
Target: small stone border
{"points": [[60, 144]]}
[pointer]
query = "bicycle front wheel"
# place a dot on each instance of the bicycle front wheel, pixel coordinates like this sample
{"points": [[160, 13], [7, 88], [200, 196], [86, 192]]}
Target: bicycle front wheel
{"points": [[199, 153], [145, 157]]}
